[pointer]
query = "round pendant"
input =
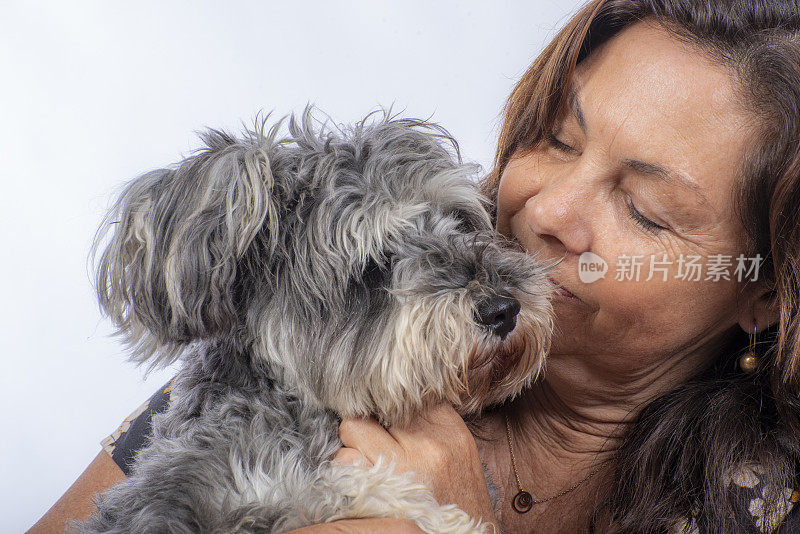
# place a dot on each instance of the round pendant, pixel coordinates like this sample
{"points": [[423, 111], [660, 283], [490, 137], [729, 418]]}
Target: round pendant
{"points": [[522, 501]]}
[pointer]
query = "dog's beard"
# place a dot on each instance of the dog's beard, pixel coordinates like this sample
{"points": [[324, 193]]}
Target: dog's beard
{"points": [[499, 369], [437, 353]]}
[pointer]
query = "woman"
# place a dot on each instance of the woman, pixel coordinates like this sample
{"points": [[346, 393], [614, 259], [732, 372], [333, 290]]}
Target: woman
{"points": [[668, 131]]}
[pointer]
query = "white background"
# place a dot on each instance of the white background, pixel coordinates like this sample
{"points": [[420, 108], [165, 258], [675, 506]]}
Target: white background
{"points": [[94, 94]]}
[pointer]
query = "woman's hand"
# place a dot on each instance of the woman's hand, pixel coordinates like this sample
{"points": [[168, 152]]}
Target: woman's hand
{"points": [[438, 447], [363, 526]]}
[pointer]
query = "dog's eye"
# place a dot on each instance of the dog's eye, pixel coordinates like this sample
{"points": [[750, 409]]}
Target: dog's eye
{"points": [[375, 274], [467, 221]]}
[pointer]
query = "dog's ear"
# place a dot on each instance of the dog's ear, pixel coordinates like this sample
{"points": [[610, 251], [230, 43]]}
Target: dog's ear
{"points": [[167, 275]]}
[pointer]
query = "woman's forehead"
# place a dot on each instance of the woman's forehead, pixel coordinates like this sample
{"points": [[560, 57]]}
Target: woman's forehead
{"points": [[646, 73]]}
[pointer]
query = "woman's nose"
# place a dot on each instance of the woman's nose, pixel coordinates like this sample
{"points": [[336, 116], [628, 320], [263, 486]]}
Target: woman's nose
{"points": [[562, 210]]}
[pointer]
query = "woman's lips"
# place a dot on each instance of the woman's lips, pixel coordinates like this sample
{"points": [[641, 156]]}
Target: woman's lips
{"points": [[561, 292]]}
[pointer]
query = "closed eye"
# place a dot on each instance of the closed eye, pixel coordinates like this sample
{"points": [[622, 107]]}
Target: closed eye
{"points": [[559, 145], [375, 274], [467, 221], [640, 219]]}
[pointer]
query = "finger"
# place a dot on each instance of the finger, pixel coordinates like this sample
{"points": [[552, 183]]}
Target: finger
{"points": [[363, 526], [369, 437], [385, 526], [348, 456]]}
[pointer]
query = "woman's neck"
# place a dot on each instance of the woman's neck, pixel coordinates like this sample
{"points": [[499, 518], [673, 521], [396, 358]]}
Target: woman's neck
{"points": [[566, 430]]}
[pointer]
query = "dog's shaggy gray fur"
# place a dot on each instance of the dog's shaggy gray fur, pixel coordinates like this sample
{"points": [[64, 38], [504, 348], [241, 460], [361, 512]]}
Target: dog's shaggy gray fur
{"points": [[331, 272]]}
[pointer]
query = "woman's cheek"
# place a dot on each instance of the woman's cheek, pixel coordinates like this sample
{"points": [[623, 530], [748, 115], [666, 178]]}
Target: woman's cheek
{"points": [[520, 181]]}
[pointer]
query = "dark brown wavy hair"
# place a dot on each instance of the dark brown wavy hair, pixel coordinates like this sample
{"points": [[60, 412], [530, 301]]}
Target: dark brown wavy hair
{"points": [[677, 458]]}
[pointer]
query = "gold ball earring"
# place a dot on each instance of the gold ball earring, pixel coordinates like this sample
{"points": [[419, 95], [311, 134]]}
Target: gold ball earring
{"points": [[748, 362]]}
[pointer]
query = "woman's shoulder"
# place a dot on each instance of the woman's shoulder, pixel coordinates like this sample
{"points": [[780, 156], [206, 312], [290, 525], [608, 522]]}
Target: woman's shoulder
{"points": [[752, 496], [133, 433], [791, 524]]}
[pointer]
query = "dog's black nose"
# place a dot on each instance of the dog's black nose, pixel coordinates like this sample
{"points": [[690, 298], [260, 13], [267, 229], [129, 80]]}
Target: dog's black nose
{"points": [[498, 313]]}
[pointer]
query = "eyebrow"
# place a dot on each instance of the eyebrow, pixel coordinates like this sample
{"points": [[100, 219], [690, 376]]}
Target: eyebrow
{"points": [[671, 177], [575, 107], [664, 174]]}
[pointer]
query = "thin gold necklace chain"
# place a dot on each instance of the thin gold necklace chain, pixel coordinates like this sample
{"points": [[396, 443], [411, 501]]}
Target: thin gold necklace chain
{"points": [[523, 501]]}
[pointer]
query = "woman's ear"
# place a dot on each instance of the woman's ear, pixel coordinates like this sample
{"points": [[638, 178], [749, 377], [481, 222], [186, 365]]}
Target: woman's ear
{"points": [[167, 273], [762, 309]]}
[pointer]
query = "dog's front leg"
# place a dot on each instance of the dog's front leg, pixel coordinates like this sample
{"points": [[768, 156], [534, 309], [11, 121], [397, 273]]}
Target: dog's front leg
{"points": [[345, 492]]}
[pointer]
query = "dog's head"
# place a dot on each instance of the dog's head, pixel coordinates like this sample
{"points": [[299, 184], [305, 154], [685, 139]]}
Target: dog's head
{"points": [[360, 263]]}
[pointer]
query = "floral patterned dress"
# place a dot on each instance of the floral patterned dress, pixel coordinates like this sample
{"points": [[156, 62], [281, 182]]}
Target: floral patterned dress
{"points": [[133, 433]]}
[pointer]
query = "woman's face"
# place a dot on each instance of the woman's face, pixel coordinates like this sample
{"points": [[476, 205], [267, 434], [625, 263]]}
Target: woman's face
{"points": [[644, 164]]}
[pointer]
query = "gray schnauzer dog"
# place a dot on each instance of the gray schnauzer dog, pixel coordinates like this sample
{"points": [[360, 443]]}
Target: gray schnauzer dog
{"points": [[299, 278]]}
